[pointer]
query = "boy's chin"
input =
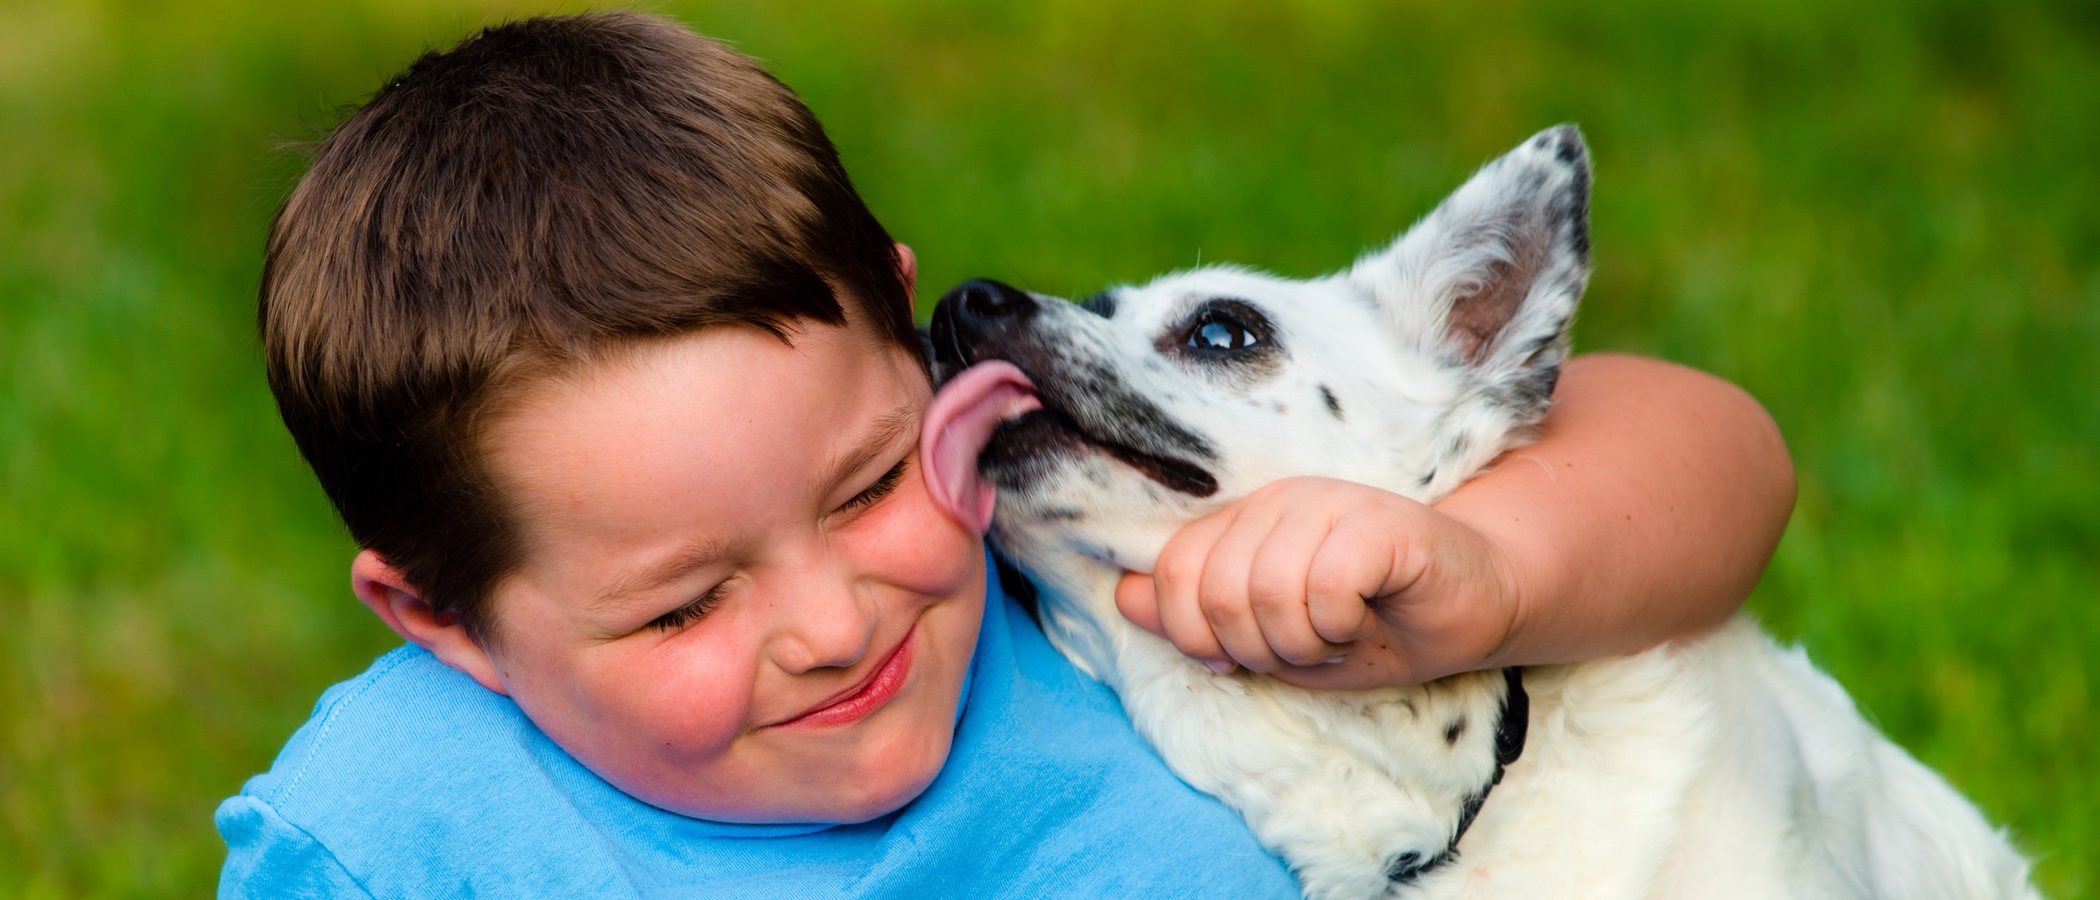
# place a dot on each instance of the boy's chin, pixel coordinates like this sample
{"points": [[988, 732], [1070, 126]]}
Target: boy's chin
{"points": [[888, 785], [881, 802], [847, 805], [871, 788]]}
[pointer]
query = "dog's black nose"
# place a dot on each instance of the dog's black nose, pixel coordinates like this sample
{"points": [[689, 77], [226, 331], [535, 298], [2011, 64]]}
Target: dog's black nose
{"points": [[976, 314], [984, 301]]}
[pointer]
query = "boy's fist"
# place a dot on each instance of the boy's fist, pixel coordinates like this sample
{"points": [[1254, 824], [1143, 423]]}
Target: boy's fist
{"points": [[1328, 584]]}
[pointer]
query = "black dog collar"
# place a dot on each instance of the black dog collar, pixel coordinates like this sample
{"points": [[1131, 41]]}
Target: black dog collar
{"points": [[1510, 730]]}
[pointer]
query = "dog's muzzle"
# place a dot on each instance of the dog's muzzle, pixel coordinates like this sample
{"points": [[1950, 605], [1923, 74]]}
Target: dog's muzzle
{"points": [[1084, 400]]}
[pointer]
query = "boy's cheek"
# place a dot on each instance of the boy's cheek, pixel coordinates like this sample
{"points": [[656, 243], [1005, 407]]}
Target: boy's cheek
{"points": [[696, 686], [918, 547], [616, 707]]}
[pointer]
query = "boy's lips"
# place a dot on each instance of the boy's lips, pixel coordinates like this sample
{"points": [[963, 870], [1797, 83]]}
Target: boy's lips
{"points": [[862, 700]]}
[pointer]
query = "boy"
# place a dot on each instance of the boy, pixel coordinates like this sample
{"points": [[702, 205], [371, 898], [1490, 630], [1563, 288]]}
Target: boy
{"points": [[612, 376]]}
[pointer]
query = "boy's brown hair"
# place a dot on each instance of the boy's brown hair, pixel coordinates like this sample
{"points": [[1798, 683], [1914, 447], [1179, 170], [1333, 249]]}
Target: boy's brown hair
{"points": [[545, 192]]}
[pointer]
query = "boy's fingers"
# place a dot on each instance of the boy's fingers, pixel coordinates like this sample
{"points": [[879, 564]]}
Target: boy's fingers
{"points": [[1335, 581], [1276, 590], [1176, 576], [1136, 600], [1184, 626], [1224, 596]]}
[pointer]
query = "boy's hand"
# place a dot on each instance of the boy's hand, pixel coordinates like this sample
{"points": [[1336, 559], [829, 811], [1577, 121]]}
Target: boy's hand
{"points": [[1329, 584]]}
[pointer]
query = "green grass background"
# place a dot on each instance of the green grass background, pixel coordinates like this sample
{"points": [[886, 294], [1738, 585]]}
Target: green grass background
{"points": [[1881, 218]]}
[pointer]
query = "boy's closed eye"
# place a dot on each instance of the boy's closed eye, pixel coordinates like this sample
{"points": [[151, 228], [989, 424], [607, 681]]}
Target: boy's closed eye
{"points": [[882, 487], [690, 612], [700, 606]]}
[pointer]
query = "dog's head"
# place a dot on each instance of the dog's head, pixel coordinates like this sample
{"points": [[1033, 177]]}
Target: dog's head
{"points": [[1117, 419]]}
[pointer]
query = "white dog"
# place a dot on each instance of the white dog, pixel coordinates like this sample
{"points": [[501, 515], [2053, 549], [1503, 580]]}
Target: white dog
{"points": [[1722, 767]]}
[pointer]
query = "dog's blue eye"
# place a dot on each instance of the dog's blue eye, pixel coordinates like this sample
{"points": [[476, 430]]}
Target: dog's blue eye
{"points": [[1224, 331], [1221, 334]]}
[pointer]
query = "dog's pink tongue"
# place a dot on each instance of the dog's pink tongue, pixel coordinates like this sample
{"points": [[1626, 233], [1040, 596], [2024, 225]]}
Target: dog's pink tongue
{"points": [[958, 424]]}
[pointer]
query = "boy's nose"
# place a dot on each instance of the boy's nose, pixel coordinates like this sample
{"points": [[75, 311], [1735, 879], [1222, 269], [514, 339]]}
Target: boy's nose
{"points": [[832, 623]]}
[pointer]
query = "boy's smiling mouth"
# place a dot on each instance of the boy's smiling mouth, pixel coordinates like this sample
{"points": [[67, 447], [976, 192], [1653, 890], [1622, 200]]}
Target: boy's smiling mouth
{"points": [[863, 699]]}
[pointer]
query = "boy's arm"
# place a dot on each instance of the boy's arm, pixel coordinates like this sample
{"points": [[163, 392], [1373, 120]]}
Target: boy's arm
{"points": [[1645, 512]]}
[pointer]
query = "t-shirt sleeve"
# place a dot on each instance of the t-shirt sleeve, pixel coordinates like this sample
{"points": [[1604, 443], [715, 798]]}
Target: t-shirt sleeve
{"points": [[270, 857]]}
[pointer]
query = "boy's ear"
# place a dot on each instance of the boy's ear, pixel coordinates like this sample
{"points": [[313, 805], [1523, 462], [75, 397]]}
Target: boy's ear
{"points": [[1491, 279], [908, 268], [402, 607]]}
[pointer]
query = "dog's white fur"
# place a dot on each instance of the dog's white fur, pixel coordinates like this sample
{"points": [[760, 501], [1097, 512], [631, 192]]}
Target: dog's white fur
{"points": [[1721, 767]]}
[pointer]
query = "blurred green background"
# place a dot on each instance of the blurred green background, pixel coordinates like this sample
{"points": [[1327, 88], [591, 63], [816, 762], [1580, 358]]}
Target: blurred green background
{"points": [[1881, 218]]}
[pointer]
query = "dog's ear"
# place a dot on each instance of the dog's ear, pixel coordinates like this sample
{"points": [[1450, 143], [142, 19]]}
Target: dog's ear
{"points": [[1492, 277]]}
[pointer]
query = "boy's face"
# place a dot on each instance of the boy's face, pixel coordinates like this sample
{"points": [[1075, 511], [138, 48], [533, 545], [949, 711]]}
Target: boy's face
{"points": [[738, 601]]}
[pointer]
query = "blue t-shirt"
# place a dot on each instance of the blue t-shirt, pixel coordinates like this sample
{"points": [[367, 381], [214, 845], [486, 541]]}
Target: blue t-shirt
{"points": [[413, 781]]}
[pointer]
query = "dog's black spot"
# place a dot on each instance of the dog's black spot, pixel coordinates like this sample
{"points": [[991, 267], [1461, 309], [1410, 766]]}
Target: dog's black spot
{"points": [[1454, 731], [1403, 867], [1406, 867], [1122, 415], [1134, 430], [1539, 344], [1426, 479], [1459, 445], [1531, 183], [1333, 405], [1062, 514], [1566, 151], [1102, 304], [1569, 212], [1531, 391]]}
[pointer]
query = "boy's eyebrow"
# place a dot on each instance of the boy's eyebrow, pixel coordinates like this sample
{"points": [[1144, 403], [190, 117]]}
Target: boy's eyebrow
{"points": [[642, 579], [887, 429]]}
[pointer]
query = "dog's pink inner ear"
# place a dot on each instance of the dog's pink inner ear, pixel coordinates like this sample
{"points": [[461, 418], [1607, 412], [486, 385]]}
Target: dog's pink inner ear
{"points": [[1475, 319]]}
